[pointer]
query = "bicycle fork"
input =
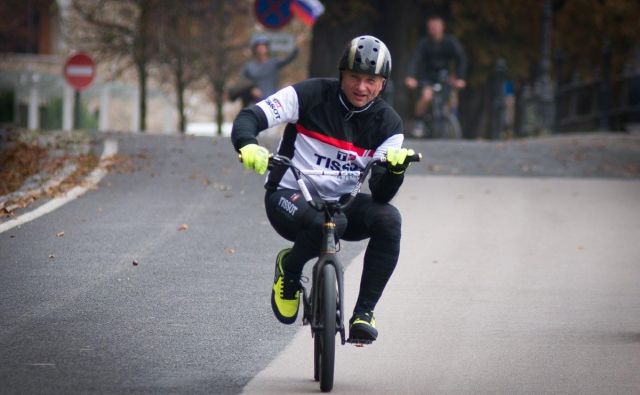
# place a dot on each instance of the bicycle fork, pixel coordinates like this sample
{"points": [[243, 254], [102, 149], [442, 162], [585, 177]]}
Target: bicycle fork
{"points": [[311, 300]]}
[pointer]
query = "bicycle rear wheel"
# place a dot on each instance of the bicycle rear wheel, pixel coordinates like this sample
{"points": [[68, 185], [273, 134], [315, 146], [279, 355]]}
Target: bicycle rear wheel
{"points": [[325, 339]]}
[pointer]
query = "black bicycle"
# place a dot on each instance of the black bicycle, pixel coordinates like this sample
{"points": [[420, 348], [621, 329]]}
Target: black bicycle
{"points": [[324, 301], [439, 122]]}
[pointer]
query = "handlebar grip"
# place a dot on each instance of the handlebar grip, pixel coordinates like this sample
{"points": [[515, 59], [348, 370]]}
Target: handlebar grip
{"points": [[414, 158]]}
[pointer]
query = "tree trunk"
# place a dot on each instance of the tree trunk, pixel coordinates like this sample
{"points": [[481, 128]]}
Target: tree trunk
{"points": [[142, 87], [180, 88], [141, 57], [219, 93], [221, 72]]}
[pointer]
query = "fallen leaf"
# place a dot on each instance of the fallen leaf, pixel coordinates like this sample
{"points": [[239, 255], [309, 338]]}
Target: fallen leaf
{"points": [[51, 256], [135, 263], [230, 250], [60, 234], [183, 227]]}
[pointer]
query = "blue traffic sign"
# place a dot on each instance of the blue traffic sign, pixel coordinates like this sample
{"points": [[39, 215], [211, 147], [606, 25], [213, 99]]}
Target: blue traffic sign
{"points": [[273, 14]]}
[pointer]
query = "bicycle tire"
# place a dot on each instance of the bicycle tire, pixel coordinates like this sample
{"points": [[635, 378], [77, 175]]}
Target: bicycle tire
{"points": [[316, 356], [451, 128], [327, 337]]}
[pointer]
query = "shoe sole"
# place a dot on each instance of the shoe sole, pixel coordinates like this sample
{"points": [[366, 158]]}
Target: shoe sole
{"points": [[363, 333]]}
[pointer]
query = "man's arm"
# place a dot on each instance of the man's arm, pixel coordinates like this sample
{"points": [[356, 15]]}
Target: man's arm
{"points": [[288, 59], [383, 183], [281, 107], [460, 57], [412, 70], [247, 126]]}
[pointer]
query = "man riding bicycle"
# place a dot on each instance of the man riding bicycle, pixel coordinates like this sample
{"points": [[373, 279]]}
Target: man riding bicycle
{"points": [[336, 124], [434, 53]]}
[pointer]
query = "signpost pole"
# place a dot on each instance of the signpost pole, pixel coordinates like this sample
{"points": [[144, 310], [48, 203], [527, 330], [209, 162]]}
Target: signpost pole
{"points": [[76, 109], [67, 108]]}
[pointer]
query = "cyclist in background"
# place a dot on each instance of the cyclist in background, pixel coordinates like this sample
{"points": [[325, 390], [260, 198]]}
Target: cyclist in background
{"points": [[332, 124], [435, 52]]}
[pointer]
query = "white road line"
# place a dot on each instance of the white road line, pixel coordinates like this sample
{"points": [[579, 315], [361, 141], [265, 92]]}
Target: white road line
{"points": [[109, 150]]}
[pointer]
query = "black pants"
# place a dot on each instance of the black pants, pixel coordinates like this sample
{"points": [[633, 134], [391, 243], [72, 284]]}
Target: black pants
{"points": [[293, 219]]}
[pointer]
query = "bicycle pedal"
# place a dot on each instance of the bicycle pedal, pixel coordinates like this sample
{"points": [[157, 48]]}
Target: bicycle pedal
{"points": [[359, 342]]}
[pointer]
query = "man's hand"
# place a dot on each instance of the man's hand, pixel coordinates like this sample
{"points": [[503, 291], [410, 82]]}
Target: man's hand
{"points": [[255, 157], [256, 93], [458, 83], [396, 159], [411, 82], [301, 38]]}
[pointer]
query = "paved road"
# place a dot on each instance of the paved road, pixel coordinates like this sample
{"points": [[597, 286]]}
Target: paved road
{"points": [[194, 317], [505, 286]]}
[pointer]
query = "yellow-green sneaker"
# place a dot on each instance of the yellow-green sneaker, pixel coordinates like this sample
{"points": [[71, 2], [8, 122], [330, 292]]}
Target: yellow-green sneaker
{"points": [[362, 328], [285, 295]]}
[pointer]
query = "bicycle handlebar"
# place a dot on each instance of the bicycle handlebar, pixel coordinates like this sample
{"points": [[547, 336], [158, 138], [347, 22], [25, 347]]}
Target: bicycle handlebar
{"points": [[361, 174]]}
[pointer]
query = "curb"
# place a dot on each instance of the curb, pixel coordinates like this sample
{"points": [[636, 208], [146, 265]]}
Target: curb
{"points": [[110, 149]]}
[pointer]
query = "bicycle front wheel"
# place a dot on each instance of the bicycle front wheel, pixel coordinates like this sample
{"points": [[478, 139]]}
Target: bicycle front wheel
{"points": [[325, 339], [451, 127]]}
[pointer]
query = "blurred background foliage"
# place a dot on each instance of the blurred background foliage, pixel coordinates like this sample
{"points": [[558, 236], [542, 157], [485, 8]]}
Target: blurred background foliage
{"points": [[201, 45]]}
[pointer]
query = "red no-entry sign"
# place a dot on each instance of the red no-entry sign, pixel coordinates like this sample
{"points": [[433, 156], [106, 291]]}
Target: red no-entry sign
{"points": [[79, 71]]}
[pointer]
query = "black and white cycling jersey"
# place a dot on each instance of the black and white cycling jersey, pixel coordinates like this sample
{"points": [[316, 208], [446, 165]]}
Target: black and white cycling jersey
{"points": [[324, 132]]}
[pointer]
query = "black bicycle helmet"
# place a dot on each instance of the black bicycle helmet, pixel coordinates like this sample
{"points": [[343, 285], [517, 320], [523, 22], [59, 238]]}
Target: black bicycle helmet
{"points": [[367, 55]]}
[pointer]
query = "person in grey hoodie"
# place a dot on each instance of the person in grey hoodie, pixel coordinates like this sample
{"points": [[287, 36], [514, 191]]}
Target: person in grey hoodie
{"points": [[263, 70]]}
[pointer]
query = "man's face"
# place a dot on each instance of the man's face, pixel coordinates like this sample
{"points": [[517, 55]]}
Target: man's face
{"points": [[435, 28], [261, 51], [359, 88]]}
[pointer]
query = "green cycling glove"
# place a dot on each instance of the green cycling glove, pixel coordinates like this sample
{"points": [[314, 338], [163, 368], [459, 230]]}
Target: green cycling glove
{"points": [[255, 157], [396, 159]]}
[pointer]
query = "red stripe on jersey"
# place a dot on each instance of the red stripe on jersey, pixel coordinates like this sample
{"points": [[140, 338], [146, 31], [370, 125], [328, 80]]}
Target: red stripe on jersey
{"points": [[345, 145]]}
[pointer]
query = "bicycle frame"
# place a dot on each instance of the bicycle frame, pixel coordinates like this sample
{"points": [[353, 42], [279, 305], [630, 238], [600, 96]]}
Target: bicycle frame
{"points": [[328, 256]]}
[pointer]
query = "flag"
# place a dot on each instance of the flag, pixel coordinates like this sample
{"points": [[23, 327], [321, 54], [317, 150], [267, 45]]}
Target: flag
{"points": [[307, 10]]}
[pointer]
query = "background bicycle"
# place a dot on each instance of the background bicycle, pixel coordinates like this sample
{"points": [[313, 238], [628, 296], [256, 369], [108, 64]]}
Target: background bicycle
{"points": [[440, 121]]}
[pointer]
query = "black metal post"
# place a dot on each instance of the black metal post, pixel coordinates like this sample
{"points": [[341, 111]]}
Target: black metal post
{"points": [[498, 111], [605, 87], [76, 110], [546, 88], [560, 102]]}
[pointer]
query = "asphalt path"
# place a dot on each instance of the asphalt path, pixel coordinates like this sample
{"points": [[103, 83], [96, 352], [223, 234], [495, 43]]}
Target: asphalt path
{"points": [[193, 316], [521, 284], [504, 286]]}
